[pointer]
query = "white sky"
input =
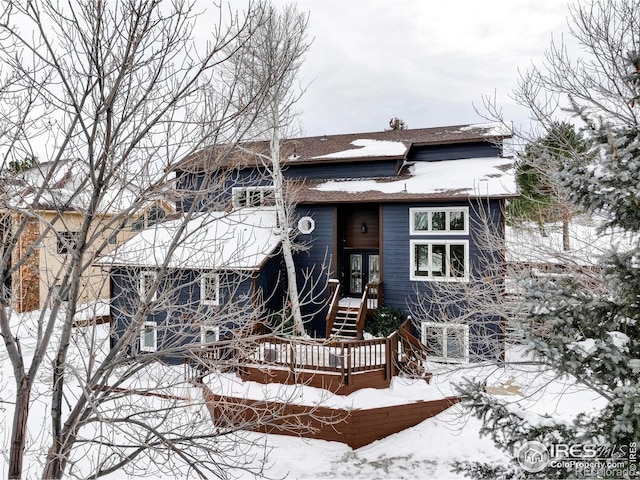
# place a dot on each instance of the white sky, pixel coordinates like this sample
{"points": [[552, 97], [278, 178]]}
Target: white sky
{"points": [[427, 62]]}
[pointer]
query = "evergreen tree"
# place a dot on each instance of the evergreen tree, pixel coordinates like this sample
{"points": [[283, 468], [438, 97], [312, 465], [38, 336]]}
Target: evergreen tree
{"points": [[544, 198], [397, 124], [591, 331]]}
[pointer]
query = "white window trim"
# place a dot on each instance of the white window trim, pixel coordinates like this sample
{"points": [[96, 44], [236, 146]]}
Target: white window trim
{"points": [[203, 278], [447, 211], [444, 327], [446, 278], [203, 333], [306, 225], [237, 191], [143, 346], [142, 285]]}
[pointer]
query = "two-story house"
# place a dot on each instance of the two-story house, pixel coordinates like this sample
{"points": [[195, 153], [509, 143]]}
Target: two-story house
{"points": [[386, 214]]}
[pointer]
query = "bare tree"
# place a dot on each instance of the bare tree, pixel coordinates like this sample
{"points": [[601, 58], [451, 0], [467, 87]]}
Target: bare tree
{"points": [[271, 65], [122, 90]]}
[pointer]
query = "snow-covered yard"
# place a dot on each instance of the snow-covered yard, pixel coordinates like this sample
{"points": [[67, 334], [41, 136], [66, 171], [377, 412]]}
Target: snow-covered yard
{"points": [[425, 451]]}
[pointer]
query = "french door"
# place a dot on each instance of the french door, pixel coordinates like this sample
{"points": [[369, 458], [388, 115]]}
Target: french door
{"points": [[361, 267]]}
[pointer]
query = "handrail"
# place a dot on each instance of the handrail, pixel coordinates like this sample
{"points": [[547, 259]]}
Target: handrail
{"points": [[362, 312], [410, 343], [334, 285]]}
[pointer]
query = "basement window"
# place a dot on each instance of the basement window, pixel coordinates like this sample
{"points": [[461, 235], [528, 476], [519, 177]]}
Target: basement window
{"points": [[149, 337], [446, 342]]}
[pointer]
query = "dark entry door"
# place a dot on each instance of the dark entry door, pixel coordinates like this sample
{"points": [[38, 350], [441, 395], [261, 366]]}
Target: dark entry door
{"points": [[360, 267]]}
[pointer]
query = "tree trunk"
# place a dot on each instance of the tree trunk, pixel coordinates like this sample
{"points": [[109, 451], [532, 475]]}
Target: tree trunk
{"points": [[19, 430], [286, 229], [566, 240]]}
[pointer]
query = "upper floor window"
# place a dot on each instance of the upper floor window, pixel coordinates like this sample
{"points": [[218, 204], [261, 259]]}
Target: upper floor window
{"points": [[251, 196], [66, 242], [434, 221], [147, 281], [153, 215], [210, 289], [439, 260]]}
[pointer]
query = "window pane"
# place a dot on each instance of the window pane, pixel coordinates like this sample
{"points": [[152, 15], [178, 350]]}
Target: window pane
{"points": [[254, 198], [149, 336], [456, 221], [457, 261], [421, 221], [210, 335], [455, 343], [438, 221], [422, 260], [146, 284], [209, 288], [437, 260], [433, 340], [138, 224]]}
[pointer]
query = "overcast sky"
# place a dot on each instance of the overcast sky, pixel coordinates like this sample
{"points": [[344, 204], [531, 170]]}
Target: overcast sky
{"points": [[426, 61]]}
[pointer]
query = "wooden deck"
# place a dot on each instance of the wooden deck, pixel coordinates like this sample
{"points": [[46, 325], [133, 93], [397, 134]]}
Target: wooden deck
{"points": [[341, 367], [355, 427]]}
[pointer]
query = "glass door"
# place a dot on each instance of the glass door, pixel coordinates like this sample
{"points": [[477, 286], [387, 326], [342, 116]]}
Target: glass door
{"points": [[355, 273]]}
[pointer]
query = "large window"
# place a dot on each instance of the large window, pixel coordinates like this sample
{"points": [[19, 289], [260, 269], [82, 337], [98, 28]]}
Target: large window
{"points": [[439, 221], [210, 289], [251, 196], [446, 342], [147, 281], [149, 337], [439, 260]]}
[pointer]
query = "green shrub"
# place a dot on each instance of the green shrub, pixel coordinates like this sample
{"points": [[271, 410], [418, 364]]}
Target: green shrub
{"points": [[384, 321]]}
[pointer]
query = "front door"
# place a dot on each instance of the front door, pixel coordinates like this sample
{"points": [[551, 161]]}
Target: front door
{"points": [[361, 267]]}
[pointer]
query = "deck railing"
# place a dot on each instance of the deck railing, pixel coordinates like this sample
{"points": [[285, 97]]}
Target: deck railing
{"points": [[342, 357], [399, 351], [334, 303]]}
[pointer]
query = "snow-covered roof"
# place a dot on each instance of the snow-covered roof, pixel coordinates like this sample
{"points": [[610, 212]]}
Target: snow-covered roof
{"points": [[447, 179], [368, 146], [63, 186], [240, 240]]}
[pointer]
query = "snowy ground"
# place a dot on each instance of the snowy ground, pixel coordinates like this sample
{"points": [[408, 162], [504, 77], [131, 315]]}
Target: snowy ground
{"points": [[424, 451], [429, 449]]}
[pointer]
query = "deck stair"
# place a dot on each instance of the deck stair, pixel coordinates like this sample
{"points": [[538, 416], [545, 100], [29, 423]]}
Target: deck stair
{"points": [[345, 324]]}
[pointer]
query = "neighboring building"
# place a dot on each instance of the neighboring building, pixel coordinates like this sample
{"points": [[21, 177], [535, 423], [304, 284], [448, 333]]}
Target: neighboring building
{"points": [[57, 214], [388, 213]]}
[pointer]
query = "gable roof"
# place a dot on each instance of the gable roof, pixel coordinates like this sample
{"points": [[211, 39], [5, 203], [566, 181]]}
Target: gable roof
{"points": [[239, 240], [65, 186], [389, 144]]}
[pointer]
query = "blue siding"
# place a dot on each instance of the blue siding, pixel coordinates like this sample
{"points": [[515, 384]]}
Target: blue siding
{"points": [[214, 191], [180, 313], [453, 152], [363, 169], [320, 252], [400, 292]]}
